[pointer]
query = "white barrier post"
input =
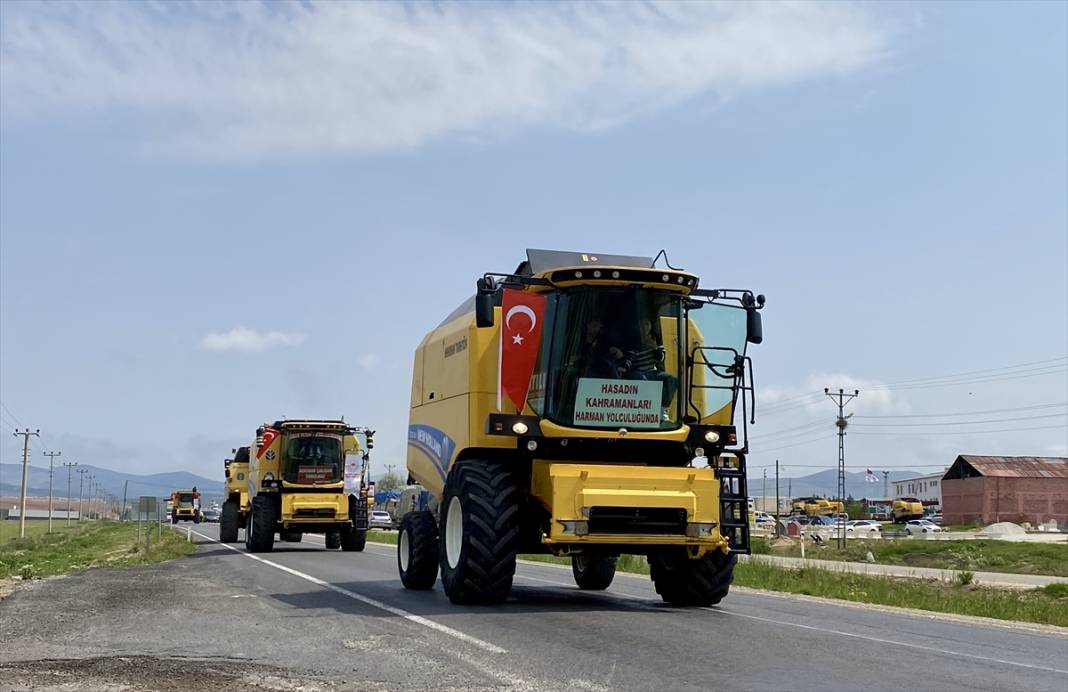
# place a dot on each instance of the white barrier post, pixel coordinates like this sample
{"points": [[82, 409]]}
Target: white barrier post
{"points": [[188, 534], [801, 533]]}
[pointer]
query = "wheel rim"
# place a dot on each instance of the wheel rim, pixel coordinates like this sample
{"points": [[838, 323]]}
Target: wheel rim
{"points": [[454, 532], [402, 550]]}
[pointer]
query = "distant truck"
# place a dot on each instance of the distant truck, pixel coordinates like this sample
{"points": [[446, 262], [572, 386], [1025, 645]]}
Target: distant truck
{"points": [[297, 484], [817, 507], [235, 508], [906, 509], [185, 506]]}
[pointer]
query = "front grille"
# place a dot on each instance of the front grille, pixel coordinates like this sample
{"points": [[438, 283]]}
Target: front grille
{"points": [[314, 513], [638, 520]]}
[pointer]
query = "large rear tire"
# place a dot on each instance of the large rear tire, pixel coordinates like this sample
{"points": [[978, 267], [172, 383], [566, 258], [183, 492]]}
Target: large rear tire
{"points": [[685, 582], [479, 532], [333, 540], [262, 519], [353, 540], [417, 551], [292, 536], [228, 520], [593, 572]]}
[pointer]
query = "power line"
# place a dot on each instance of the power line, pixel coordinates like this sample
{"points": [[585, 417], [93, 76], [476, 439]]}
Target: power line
{"points": [[969, 413], [1058, 359], [963, 422], [908, 433]]}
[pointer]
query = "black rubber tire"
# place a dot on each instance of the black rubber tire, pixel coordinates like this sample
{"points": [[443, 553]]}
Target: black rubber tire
{"points": [[174, 518], [421, 532], [333, 540], [593, 572], [291, 536], [228, 520], [264, 519], [196, 518], [685, 582], [353, 540], [488, 506]]}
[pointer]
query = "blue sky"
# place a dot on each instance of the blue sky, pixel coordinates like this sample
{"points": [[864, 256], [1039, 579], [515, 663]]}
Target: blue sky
{"points": [[332, 179]]}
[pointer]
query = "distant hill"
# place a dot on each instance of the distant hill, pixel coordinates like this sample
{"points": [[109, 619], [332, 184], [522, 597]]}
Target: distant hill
{"points": [[155, 484], [825, 483]]}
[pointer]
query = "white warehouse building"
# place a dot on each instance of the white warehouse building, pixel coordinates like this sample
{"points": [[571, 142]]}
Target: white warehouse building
{"points": [[927, 489]]}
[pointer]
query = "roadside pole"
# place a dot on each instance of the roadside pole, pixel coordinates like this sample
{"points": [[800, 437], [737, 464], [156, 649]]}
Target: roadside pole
{"points": [[125, 487], [51, 471], [25, 471], [776, 497], [69, 466], [81, 487]]}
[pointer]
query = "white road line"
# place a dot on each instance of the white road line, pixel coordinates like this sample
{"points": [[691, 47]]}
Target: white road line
{"points": [[411, 617], [880, 640]]}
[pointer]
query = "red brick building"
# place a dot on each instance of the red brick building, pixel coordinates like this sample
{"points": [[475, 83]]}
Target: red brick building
{"points": [[979, 489]]}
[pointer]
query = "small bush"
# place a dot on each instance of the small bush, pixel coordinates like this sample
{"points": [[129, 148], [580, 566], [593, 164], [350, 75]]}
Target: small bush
{"points": [[964, 577], [1056, 590]]}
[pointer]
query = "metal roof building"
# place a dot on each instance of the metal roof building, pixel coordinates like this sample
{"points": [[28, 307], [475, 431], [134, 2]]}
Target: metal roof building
{"points": [[987, 489]]}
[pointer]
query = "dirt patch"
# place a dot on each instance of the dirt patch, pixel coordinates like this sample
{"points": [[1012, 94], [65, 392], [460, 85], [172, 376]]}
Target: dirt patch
{"points": [[144, 673]]}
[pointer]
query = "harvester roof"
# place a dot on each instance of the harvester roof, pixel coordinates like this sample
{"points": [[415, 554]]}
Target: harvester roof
{"points": [[542, 261]]}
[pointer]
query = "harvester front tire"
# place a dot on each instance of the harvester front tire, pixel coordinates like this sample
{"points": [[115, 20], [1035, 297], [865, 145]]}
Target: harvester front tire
{"points": [[333, 540], [417, 551], [174, 518], [479, 532], [353, 540], [292, 536], [685, 582], [228, 520], [593, 572], [262, 521]]}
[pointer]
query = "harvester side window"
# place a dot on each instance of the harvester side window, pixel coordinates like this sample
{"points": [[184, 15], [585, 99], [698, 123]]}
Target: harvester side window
{"points": [[717, 334]]}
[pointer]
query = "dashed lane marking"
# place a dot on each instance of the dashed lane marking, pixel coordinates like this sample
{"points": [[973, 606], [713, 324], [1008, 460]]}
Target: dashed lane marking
{"points": [[375, 603]]}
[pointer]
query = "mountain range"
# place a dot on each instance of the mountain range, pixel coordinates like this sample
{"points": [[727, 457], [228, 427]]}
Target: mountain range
{"points": [[824, 484], [154, 484]]}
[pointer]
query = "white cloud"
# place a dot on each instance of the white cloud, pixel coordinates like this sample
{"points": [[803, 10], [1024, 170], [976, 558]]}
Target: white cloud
{"points": [[369, 361], [268, 80], [245, 340]]}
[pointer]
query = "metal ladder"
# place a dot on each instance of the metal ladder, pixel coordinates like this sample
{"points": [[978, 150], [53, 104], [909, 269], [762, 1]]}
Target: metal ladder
{"points": [[734, 503]]}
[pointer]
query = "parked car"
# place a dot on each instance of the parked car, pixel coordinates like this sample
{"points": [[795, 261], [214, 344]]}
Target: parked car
{"points": [[764, 518], [380, 519], [211, 515], [863, 526], [821, 521], [936, 518], [915, 527]]}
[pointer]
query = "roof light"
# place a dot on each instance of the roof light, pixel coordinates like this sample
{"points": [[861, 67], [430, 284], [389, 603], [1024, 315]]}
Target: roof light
{"points": [[532, 445], [596, 273], [519, 428]]}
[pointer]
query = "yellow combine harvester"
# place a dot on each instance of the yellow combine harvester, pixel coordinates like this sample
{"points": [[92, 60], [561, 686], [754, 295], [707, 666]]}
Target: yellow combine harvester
{"points": [[235, 508], [817, 507], [296, 484], [584, 406], [185, 506], [905, 509]]}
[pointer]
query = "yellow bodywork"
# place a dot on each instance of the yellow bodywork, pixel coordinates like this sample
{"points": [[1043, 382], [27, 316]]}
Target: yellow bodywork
{"points": [[570, 490], [296, 502], [818, 507], [904, 509], [454, 389], [237, 484]]}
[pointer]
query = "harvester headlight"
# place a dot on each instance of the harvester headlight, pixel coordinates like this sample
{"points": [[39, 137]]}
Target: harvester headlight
{"points": [[596, 273], [532, 445], [701, 529], [699, 451], [615, 275], [519, 428], [579, 528], [268, 476], [712, 437]]}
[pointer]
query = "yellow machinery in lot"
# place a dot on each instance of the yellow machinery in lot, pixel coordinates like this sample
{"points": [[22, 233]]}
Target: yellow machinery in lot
{"points": [[235, 508], [905, 509], [817, 507], [583, 406], [296, 484], [185, 506]]}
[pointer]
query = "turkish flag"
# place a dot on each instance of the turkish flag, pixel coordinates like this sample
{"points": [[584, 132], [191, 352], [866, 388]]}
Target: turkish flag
{"points": [[522, 314]]}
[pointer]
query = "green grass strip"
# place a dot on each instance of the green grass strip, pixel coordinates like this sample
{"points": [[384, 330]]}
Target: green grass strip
{"points": [[88, 544]]}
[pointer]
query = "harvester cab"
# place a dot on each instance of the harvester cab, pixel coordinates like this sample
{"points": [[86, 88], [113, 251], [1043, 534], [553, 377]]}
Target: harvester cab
{"points": [[308, 476], [583, 405], [234, 512], [185, 506]]}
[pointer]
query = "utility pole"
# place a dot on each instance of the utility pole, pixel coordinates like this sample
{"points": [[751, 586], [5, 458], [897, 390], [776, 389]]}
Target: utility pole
{"points": [[25, 472], [886, 484], [776, 497], [70, 466], [841, 399], [764, 492], [51, 461], [125, 487], [81, 487]]}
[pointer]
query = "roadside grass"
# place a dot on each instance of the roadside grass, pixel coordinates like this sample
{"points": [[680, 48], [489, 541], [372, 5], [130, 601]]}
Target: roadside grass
{"points": [[1049, 559], [380, 536], [9, 529], [1047, 606], [90, 544]]}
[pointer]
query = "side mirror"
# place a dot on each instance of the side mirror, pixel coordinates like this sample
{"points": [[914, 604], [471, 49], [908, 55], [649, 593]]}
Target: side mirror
{"points": [[486, 288], [754, 329]]}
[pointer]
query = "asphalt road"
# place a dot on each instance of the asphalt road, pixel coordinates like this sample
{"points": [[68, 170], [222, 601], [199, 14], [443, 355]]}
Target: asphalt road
{"points": [[331, 620]]}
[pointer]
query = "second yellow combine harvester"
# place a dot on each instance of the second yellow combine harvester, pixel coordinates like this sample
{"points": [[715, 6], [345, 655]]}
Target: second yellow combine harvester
{"points": [[583, 406]]}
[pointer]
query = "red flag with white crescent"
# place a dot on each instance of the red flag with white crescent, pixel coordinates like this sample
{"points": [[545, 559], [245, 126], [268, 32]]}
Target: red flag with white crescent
{"points": [[521, 318]]}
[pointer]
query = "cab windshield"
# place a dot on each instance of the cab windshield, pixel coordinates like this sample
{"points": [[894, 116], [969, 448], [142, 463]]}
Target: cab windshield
{"points": [[185, 500], [610, 359], [312, 459]]}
